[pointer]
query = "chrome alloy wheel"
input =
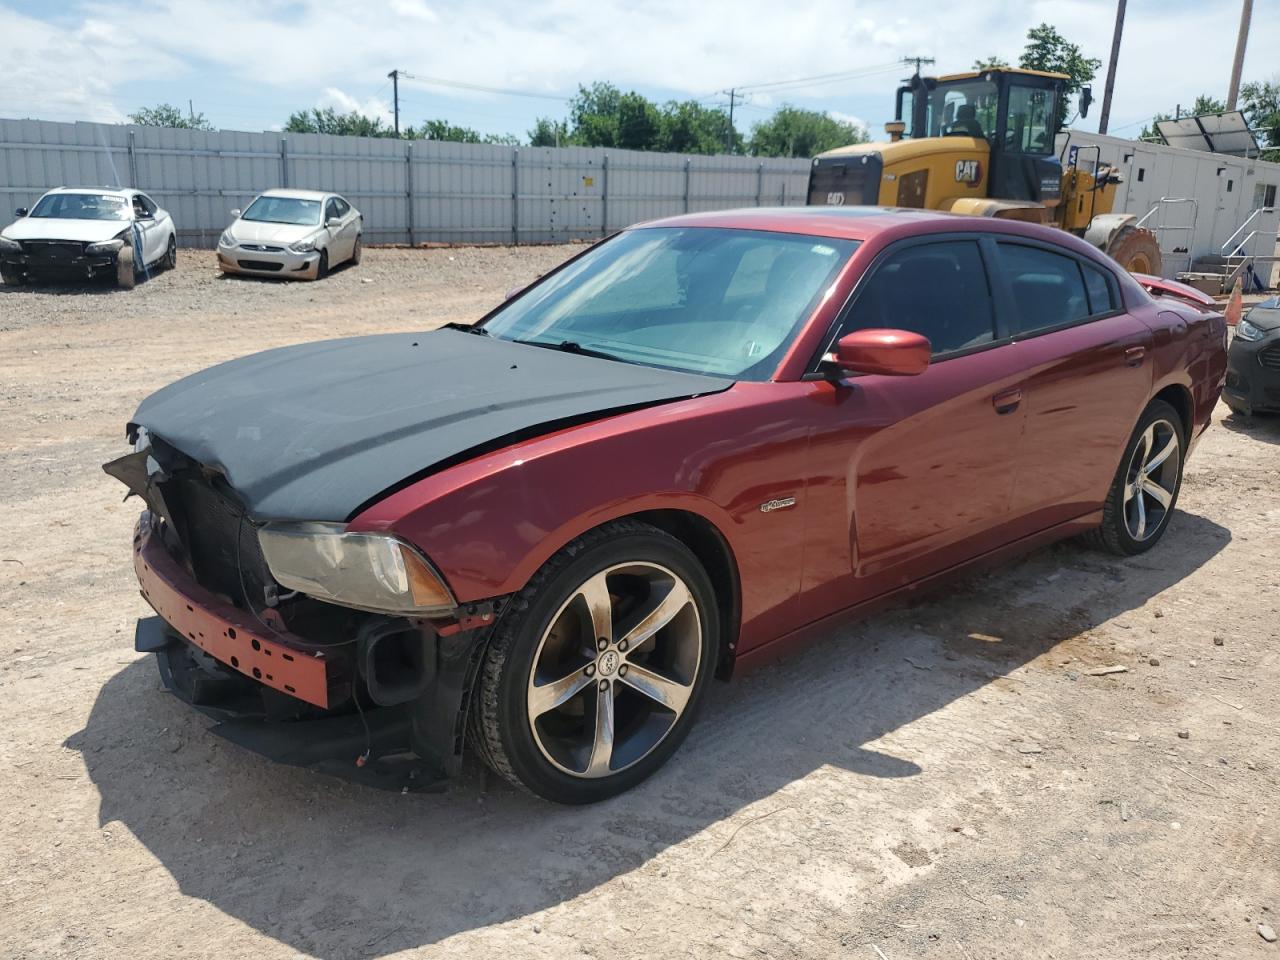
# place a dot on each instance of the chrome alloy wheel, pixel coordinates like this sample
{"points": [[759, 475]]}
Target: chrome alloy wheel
{"points": [[615, 669], [1151, 480]]}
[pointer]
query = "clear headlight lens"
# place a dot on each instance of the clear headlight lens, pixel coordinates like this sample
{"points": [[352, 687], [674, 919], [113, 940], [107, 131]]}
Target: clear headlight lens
{"points": [[303, 246], [105, 246], [368, 571], [1247, 331], [7, 244], [226, 240]]}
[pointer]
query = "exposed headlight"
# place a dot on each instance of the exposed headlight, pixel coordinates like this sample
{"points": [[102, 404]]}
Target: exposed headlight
{"points": [[226, 240], [7, 244], [368, 571], [1247, 331], [303, 246], [105, 246]]}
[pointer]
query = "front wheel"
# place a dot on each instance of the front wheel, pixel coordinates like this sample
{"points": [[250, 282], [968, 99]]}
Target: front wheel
{"points": [[1145, 489], [595, 670], [171, 253], [322, 265], [126, 273], [356, 251]]}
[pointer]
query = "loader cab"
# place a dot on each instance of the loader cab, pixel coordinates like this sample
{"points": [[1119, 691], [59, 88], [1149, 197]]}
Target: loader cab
{"points": [[1014, 111]]}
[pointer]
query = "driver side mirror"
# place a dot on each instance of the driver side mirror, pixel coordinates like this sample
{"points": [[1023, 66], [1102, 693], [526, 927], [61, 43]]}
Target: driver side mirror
{"points": [[1086, 98], [20, 212], [235, 213], [893, 353], [333, 223]]}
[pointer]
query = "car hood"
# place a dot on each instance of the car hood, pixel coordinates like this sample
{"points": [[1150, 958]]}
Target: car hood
{"points": [[52, 228], [319, 430], [259, 231], [1264, 318]]}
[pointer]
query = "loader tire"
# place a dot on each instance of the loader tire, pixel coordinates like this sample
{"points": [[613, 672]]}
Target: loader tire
{"points": [[1136, 250]]}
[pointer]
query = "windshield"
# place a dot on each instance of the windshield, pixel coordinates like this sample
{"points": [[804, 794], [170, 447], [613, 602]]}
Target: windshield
{"points": [[965, 108], [712, 301], [303, 213], [81, 206]]}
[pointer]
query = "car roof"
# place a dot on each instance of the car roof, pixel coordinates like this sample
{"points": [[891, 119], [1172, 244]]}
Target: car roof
{"points": [[109, 191], [298, 194], [856, 223]]}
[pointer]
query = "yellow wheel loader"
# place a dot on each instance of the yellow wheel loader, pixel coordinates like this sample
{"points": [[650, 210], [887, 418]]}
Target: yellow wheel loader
{"points": [[982, 143]]}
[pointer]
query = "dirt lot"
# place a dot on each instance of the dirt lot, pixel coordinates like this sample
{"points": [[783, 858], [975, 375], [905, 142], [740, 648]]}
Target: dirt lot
{"points": [[943, 781]]}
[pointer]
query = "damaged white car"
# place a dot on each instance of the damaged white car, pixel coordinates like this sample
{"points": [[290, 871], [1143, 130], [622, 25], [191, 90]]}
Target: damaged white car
{"points": [[291, 233], [83, 233]]}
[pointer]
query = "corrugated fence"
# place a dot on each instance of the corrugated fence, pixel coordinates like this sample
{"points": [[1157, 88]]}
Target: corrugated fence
{"points": [[409, 191]]}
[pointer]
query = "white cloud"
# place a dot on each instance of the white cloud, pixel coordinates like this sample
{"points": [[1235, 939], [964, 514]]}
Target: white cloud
{"points": [[848, 118], [414, 10], [342, 102]]}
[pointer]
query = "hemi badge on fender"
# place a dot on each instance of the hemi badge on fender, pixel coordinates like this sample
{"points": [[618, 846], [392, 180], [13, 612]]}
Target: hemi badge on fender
{"points": [[771, 505]]}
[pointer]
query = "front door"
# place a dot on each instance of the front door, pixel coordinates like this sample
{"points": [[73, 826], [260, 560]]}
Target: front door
{"points": [[911, 475]]}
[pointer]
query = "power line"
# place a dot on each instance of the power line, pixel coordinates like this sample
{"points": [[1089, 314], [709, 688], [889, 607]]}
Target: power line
{"points": [[502, 91], [824, 77]]}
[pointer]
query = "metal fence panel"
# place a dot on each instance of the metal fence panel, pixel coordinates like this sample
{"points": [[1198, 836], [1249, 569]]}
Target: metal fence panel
{"points": [[409, 191]]}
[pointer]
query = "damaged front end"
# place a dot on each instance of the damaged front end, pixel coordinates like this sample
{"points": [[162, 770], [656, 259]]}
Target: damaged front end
{"points": [[375, 697]]}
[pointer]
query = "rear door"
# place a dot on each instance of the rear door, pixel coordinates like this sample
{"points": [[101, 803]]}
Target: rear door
{"points": [[1088, 377], [911, 475]]}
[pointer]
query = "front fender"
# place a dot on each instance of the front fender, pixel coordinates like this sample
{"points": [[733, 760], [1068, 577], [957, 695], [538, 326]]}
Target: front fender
{"points": [[488, 524]]}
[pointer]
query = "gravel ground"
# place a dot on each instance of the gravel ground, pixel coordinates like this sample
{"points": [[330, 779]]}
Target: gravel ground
{"points": [[947, 780]]}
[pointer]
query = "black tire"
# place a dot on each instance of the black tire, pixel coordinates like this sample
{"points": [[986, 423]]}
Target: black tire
{"points": [[170, 261], [357, 251], [500, 725], [1237, 411], [1114, 534], [11, 279], [126, 271], [1136, 249], [322, 267]]}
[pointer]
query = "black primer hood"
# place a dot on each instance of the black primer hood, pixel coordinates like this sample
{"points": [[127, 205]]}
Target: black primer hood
{"points": [[317, 431]]}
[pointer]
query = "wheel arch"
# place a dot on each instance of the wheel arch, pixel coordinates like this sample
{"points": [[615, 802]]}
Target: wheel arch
{"points": [[711, 548], [1178, 396]]}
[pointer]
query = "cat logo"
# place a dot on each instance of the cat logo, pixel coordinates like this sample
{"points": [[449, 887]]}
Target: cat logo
{"points": [[835, 198], [968, 171]]}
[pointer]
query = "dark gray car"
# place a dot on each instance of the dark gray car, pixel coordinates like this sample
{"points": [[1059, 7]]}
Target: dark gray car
{"points": [[1253, 361]]}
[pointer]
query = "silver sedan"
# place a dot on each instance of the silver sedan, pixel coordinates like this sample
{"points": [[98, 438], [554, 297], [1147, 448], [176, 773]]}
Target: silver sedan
{"points": [[291, 233]]}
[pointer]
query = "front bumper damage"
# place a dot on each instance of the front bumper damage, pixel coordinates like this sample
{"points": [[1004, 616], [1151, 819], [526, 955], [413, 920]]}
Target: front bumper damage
{"points": [[375, 700], [56, 261]]}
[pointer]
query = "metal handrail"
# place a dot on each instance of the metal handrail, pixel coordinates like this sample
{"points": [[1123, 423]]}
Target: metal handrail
{"points": [[1161, 227], [1240, 229]]}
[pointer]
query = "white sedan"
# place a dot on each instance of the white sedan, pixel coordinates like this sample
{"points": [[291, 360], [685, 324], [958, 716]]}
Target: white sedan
{"points": [[79, 233], [291, 233]]}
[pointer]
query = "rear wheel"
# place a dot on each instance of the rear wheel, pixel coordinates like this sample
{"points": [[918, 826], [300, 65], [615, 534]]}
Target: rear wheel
{"points": [[126, 274], [595, 670], [1145, 489], [1136, 250]]}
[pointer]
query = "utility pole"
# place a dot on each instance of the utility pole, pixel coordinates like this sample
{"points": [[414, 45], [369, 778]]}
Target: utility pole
{"points": [[191, 110], [394, 76], [1246, 14], [919, 62], [1105, 117], [734, 97]]}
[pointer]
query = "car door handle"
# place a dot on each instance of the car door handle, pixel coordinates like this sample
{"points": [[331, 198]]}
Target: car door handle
{"points": [[1007, 400], [1133, 356]]}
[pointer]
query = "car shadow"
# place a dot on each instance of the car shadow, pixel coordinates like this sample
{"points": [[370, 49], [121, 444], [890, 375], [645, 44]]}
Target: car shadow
{"points": [[1259, 426], [341, 871]]}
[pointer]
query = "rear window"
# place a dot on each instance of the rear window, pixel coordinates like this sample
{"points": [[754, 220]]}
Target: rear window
{"points": [[1048, 288], [1102, 290]]}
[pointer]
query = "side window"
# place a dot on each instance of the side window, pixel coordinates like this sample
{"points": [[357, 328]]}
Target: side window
{"points": [[342, 206], [1048, 289], [938, 290], [1031, 120], [148, 204], [331, 209], [139, 208], [1101, 288]]}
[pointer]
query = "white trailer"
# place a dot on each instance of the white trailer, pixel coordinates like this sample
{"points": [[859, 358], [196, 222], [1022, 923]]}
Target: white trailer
{"points": [[1214, 216]]}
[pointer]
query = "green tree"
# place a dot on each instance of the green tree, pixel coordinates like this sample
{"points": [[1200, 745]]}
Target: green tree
{"points": [[792, 132], [167, 115], [1260, 101], [548, 133], [593, 115], [638, 123], [1048, 50], [990, 63], [689, 127], [328, 120]]}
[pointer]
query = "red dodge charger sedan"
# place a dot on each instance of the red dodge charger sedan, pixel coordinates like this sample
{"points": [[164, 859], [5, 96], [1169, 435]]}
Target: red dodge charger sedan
{"points": [[685, 451]]}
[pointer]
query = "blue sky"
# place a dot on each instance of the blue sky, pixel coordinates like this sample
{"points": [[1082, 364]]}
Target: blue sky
{"points": [[248, 65]]}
